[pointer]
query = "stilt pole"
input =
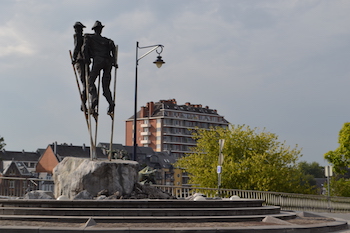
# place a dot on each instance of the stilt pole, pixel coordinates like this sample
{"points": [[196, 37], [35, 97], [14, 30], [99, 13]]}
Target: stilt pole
{"points": [[114, 94], [92, 146], [85, 110], [97, 110]]}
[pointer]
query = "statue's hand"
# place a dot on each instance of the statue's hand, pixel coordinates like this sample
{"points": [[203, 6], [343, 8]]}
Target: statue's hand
{"points": [[115, 65]]}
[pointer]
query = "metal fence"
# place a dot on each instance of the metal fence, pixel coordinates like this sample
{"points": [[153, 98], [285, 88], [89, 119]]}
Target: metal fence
{"points": [[287, 201], [18, 187]]}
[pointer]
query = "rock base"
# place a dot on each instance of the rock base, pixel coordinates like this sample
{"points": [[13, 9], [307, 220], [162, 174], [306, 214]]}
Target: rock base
{"points": [[74, 175]]}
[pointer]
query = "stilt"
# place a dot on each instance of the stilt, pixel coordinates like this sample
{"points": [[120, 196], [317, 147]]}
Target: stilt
{"points": [[97, 108], [114, 94], [90, 111], [85, 110]]}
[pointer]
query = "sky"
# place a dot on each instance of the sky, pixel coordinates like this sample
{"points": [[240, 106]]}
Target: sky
{"points": [[271, 64]]}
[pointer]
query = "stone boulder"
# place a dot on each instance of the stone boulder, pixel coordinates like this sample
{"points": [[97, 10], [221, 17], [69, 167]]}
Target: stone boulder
{"points": [[83, 195], [141, 191], [74, 175], [39, 194], [197, 197], [150, 192]]}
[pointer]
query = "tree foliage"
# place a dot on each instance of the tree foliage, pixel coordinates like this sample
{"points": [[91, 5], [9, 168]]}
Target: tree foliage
{"points": [[314, 169], [310, 172], [252, 161], [340, 187], [340, 157], [2, 143]]}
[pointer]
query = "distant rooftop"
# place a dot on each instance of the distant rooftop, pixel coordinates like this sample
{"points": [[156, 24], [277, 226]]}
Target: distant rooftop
{"points": [[156, 109]]}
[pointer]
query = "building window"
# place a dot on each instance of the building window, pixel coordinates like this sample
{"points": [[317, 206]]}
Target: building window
{"points": [[154, 159], [11, 184], [24, 186]]}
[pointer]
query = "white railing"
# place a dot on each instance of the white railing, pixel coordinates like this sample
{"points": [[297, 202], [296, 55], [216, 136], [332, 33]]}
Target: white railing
{"points": [[17, 187], [287, 201]]}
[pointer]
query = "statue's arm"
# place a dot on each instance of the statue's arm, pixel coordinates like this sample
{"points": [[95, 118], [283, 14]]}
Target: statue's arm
{"points": [[76, 48], [112, 48], [85, 49]]}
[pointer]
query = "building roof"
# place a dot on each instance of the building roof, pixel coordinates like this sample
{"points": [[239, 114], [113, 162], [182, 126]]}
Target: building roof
{"points": [[139, 150], [115, 146], [22, 169], [161, 160], [19, 155], [171, 104], [65, 150], [152, 159]]}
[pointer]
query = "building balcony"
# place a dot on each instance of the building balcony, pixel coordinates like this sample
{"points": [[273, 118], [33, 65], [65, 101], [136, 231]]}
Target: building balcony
{"points": [[178, 134], [147, 125], [179, 143], [144, 142], [145, 133]]}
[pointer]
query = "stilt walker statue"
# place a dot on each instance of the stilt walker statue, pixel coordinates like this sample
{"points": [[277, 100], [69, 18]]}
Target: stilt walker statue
{"points": [[101, 53]]}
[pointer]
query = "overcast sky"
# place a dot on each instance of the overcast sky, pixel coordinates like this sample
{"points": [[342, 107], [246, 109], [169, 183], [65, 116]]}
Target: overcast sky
{"points": [[273, 64]]}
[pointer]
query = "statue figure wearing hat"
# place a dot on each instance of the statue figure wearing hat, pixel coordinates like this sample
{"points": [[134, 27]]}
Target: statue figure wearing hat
{"points": [[78, 58], [102, 52]]}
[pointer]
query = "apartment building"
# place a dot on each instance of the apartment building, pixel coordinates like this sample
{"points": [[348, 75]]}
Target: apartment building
{"points": [[166, 125]]}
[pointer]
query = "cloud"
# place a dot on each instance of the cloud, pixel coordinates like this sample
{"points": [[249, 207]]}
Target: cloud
{"points": [[13, 42]]}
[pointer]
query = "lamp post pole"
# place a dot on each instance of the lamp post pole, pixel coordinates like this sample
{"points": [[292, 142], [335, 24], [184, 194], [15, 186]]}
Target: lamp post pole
{"points": [[328, 173], [159, 62], [135, 105]]}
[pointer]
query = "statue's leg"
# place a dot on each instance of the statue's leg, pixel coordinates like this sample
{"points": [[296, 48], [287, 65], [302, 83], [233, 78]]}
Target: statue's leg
{"points": [[106, 81], [80, 66], [95, 70]]}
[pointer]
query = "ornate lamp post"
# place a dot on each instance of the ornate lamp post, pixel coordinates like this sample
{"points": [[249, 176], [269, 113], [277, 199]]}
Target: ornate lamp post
{"points": [[159, 62]]}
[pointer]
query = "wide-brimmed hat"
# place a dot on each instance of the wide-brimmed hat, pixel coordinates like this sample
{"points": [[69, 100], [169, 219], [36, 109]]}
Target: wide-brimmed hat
{"points": [[78, 25], [97, 24]]}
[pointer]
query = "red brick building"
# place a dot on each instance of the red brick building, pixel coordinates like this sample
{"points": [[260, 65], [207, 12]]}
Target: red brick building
{"points": [[166, 125]]}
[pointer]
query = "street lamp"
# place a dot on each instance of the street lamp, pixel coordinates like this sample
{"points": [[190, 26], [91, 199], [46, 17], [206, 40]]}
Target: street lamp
{"points": [[159, 62]]}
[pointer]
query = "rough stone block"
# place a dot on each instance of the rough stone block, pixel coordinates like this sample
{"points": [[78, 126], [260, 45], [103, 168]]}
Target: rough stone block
{"points": [[74, 175]]}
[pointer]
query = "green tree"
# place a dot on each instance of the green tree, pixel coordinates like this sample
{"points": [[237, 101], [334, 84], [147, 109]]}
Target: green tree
{"points": [[340, 157], [310, 172], [340, 187], [2, 143], [314, 169], [253, 161]]}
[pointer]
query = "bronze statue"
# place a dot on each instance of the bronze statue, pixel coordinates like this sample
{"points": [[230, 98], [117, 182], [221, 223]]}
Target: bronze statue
{"points": [[102, 52], [78, 59]]}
